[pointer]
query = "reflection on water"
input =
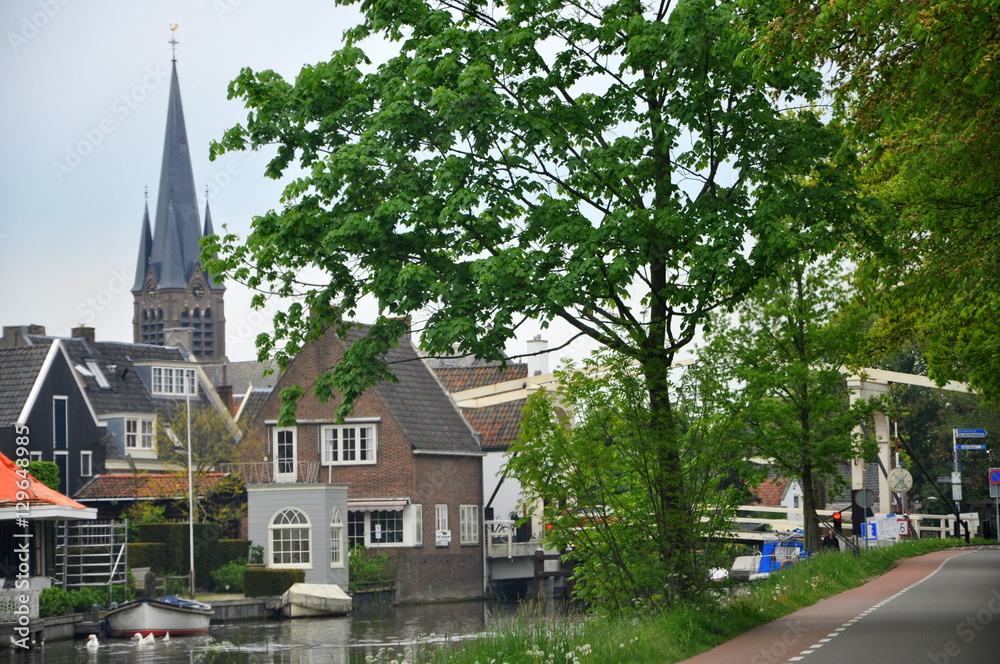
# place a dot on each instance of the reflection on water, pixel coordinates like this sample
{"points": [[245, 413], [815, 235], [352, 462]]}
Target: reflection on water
{"points": [[345, 640]]}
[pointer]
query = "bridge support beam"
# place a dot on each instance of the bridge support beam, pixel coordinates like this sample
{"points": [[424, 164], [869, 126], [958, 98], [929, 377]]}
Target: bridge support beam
{"points": [[864, 390]]}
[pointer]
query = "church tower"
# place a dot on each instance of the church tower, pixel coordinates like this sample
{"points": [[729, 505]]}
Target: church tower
{"points": [[171, 290]]}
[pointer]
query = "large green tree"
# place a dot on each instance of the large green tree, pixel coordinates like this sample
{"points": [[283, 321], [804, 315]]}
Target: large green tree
{"points": [[785, 351], [590, 454], [919, 82], [618, 166]]}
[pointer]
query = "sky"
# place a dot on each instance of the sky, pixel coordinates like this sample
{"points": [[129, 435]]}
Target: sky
{"points": [[85, 88]]}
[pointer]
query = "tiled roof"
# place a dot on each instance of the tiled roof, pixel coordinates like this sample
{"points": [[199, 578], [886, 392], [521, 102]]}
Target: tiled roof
{"points": [[12, 488], [771, 491], [145, 485], [456, 379], [19, 368], [497, 425], [417, 401]]}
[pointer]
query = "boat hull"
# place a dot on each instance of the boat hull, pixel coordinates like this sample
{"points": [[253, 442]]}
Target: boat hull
{"points": [[313, 599], [158, 617]]}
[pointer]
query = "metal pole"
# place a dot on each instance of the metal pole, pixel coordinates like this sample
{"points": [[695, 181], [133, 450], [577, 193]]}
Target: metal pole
{"points": [[996, 506], [956, 482], [190, 499]]}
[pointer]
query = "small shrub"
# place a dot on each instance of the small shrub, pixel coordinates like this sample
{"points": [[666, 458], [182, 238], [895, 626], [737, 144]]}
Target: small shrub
{"points": [[369, 569], [270, 582], [229, 577], [256, 555], [54, 601]]}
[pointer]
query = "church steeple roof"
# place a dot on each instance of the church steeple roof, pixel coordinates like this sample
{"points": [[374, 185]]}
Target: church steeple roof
{"points": [[176, 234], [210, 231], [145, 247]]}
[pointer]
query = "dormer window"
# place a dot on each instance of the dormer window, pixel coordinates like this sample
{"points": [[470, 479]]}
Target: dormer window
{"points": [[174, 381]]}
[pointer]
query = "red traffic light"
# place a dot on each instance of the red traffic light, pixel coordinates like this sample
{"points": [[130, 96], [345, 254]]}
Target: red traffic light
{"points": [[838, 522], [837, 516]]}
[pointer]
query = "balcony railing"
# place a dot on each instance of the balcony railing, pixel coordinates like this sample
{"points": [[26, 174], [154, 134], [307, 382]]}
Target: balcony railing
{"points": [[12, 606], [264, 472], [501, 541]]}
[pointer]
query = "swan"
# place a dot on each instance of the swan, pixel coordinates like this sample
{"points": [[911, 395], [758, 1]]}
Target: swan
{"points": [[92, 642], [166, 637], [143, 640]]}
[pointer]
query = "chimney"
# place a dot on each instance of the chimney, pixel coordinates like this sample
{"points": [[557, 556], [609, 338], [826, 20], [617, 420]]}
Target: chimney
{"points": [[16, 336], [225, 393], [86, 333], [180, 337], [537, 364]]}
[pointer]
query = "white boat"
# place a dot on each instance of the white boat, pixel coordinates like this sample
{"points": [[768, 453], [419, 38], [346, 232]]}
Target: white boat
{"points": [[315, 599], [179, 617]]}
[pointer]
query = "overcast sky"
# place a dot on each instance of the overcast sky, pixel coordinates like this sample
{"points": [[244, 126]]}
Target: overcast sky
{"points": [[85, 88]]}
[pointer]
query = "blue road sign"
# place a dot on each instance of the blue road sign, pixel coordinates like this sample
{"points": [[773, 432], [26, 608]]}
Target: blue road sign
{"points": [[971, 447], [970, 433], [994, 475]]}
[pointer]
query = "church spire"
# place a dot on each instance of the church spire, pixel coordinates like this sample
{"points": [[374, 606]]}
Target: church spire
{"points": [[171, 289], [177, 232], [145, 247]]}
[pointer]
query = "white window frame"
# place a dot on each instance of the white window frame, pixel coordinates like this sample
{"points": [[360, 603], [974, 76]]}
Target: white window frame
{"points": [[337, 544], [140, 434], [86, 463], [292, 476], [60, 403], [441, 524], [468, 524], [273, 527], [418, 525], [34, 456], [333, 439], [174, 381]]}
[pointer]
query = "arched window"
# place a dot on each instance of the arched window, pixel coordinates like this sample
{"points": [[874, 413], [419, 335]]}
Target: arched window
{"points": [[290, 536], [336, 538]]}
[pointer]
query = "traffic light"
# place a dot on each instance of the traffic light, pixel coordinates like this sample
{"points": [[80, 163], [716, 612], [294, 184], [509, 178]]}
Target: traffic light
{"points": [[838, 523]]}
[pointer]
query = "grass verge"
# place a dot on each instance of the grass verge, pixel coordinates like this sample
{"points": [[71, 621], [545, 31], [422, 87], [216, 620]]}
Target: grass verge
{"points": [[670, 636]]}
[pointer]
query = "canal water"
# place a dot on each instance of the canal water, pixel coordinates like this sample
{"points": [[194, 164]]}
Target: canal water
{"points": [[343, 640]]}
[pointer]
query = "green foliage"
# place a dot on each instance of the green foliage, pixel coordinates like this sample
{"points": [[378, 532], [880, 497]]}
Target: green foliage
{"points": [[912, 78], [370, 569], [142, 512], [784, 353], [270, 582], [177, 555], [46, 472], [619, 168], [212, 437], [598, 480], [229, 577], [149, 554], [55, 601], [256, 554]]}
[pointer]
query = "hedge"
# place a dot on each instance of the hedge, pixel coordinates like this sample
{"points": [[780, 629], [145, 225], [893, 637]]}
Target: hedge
{"points": [[270, 582], [148, 554]]}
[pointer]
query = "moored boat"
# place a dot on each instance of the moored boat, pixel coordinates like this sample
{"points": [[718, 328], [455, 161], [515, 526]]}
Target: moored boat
{"points": [[315, 599], [179, 617]]}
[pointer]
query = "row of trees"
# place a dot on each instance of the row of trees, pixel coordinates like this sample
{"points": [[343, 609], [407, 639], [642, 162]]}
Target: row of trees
{"points": [[639, 171]]}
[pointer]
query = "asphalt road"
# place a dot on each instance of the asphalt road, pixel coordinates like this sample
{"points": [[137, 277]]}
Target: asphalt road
{"points": [[942, 608]]}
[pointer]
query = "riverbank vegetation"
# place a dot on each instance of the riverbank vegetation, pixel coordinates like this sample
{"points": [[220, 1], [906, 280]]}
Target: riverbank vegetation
{"points": [[673, 634]]}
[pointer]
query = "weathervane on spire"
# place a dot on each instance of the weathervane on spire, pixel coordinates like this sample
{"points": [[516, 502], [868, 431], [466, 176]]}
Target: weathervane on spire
{"points": [[173, 43]]}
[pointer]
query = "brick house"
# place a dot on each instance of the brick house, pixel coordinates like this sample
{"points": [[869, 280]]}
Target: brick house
{"points": [[411, 464]]}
